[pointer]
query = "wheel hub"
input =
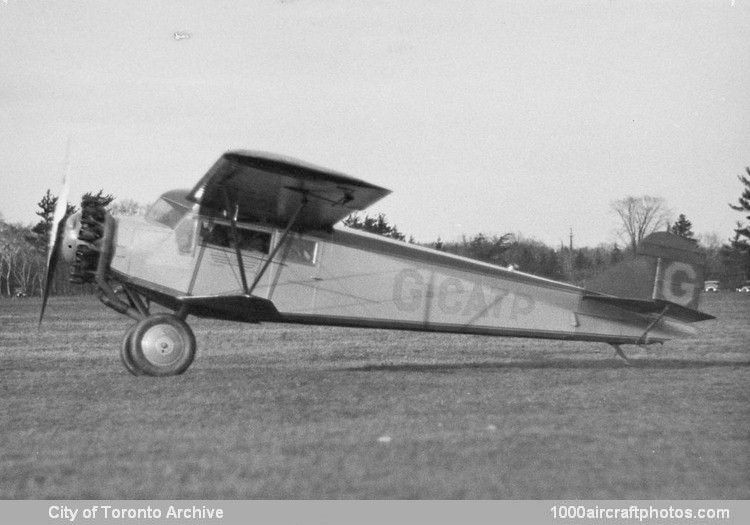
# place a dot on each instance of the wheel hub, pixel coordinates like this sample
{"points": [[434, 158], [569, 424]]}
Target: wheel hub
{"points": [[162, 345]]}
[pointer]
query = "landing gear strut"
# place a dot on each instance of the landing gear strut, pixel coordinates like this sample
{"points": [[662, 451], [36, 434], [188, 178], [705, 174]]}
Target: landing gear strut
{"points": [[158, 345], [620, 353]]}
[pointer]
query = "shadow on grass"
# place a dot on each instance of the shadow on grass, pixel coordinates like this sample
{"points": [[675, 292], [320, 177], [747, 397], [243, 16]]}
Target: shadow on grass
{"points": [[601, 364]]}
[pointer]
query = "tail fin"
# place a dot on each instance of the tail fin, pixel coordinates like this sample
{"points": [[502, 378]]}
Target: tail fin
{"points": [[668, 270], [679, 268]]}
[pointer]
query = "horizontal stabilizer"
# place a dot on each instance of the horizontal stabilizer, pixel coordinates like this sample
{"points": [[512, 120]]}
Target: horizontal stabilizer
{"points": [[643, 306]]}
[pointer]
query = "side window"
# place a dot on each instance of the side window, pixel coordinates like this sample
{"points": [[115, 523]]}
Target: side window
{"points": [[184, 232], [166, 213], [255, 240], [249, 240], [302, 251], [216, 234]]}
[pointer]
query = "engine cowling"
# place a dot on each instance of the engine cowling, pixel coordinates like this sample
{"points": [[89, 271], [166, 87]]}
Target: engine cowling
{"points": [[83, 242]]}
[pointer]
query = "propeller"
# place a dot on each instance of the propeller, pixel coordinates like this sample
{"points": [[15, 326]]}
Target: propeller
{"points": [[56, 233]]}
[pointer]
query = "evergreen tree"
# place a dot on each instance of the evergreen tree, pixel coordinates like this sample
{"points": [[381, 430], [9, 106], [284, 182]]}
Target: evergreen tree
{"points": [[98, 199], [489, 249], [46, 212], [683, 227], [743, 206], [378, 225], [735, 258], [737, 252]]}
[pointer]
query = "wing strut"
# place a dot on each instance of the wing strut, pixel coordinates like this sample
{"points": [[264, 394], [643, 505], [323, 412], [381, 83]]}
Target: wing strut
{"points": [[276, 248], [236, 239]]}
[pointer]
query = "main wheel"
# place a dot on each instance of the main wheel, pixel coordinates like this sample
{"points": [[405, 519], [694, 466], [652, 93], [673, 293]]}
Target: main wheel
{"points": [[125, 352], [162, 345]]}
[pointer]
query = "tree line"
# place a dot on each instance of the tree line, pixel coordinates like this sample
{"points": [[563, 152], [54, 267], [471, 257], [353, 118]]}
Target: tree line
{"points": [[23, 248], [727, 260]]}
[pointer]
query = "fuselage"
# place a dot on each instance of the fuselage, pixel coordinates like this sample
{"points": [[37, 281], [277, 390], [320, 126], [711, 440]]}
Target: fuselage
{"points": [[351, 278]]}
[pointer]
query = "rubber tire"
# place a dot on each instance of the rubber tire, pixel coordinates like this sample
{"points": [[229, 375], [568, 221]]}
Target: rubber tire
{"points": [[146, 336], [125, 352]]}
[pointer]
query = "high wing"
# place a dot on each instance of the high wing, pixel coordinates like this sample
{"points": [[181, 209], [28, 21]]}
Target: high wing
{"points": [[267, 188]]}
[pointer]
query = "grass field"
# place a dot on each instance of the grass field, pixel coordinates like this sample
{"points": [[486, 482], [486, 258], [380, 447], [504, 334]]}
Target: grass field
{"points": [[275, 411]]}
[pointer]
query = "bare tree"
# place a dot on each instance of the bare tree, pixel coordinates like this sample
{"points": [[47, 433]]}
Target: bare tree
{"points": [[19, 258], [8, 254], [640, 216], [29, 266], [127, 207]]}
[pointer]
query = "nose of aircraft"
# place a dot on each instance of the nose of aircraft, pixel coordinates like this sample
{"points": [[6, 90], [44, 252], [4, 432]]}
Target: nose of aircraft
{"points": [[70, 237]]}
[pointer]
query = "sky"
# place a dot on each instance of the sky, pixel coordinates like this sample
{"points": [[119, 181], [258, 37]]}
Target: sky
{"points": [[528, 117]]}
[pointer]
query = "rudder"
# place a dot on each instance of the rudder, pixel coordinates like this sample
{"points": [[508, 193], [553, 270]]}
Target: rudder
{"points": [[667, 268], [679, 268]]}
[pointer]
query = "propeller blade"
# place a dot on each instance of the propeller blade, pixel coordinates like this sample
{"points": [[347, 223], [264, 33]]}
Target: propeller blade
{"points": [[56, 233]]}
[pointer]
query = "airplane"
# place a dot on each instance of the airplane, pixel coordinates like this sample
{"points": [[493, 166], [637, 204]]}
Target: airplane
{"points": [[257, 240]]}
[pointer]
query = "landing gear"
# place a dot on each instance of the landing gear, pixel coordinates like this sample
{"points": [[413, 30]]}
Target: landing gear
{"points": [[620, 353], [158, 345], [125, 357]]}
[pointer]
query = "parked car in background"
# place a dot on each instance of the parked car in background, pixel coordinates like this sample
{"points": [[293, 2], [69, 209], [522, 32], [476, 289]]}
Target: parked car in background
{"points": [[711, 286], [745, 287]]}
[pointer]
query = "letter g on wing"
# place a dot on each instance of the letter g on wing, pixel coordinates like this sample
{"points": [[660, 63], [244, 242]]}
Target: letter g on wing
{"points": [[408, 290]]}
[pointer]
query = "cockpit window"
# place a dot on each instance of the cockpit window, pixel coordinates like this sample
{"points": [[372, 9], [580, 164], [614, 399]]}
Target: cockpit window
{"points": [[166, 212], [302, 251], [250, 240]]}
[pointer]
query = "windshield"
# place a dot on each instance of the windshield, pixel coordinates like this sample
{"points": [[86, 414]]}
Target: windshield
{"points": [[166, 212]]}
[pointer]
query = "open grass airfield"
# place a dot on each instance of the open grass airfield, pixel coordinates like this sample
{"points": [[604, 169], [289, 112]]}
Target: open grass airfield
{"points": [[275, 411]]}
